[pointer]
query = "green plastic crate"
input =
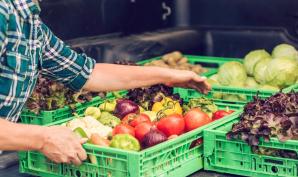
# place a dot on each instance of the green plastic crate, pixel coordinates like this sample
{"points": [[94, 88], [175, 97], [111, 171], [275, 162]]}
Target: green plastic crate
{"points": [[243, 95], [292, 88], [236, 157], [46, 117], [210, 63], [248, 94], [175, 158]]}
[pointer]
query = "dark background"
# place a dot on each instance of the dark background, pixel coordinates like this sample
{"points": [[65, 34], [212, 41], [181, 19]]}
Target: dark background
{"points": [[110, 30]]}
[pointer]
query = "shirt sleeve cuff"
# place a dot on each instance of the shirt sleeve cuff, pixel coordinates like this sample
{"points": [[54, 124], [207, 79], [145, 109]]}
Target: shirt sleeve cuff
{"points": [[80, 80]]}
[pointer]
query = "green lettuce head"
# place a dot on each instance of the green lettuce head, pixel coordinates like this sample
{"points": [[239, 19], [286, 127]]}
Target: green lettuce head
{"points": [[213, 80], [285, 51], [260, 69], [269, 87], [251, 83], [232, 73], [252, 58], [281, 72]]}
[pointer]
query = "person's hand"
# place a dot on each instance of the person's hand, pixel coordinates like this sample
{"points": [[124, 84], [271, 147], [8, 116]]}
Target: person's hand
{"points": [[61, 145], [188, 79]]}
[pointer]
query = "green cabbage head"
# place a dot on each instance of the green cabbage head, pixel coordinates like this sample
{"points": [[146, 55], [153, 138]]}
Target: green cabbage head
{"points": [[232, 73], [252, 58], [268, 87], [260, 69], [285, 51], [251, 83], [281, 72]]}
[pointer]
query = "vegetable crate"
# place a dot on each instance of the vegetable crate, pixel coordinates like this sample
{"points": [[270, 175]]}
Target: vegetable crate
{"points": [[232, 93], [176, 158], [224, 93], [46, 117], [210, 63], [236, 157]]}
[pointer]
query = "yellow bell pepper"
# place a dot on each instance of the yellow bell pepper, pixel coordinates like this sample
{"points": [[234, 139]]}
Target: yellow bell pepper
{"points": [[167, 106]]}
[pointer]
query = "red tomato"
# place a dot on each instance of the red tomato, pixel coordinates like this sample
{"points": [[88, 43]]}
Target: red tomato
{"points": [[196, 118], [142, 129], [220, 114], [124, 129], [135, 119], [171, 125]]}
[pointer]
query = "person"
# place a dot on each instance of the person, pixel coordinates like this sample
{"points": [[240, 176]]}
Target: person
{"points": [[29, 48]]}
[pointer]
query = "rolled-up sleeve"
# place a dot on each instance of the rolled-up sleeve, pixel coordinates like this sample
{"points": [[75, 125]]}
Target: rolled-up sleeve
{"points": [[61, 63]]}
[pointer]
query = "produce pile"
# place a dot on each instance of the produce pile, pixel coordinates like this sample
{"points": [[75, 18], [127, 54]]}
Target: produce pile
{"points": [[176, 60], [260, 70], [123, 123], [276, 116], [50, 95]]}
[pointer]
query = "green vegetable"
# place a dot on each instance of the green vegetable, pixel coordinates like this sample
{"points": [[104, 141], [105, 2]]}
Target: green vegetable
{"points": [[268, 87], [217, 95], [232, 73], [285, 51], [93, 111], [260, 69], [251, 83], [252, 58], [90, 125], [109, 119], [233, 97], [213, 80], [281, 72], [108, 106], [74, 123], [205, 104], [80, 132], [267, 118], [152, 115], [50, 95], [126, 142], [275, 152], [214, 77]]}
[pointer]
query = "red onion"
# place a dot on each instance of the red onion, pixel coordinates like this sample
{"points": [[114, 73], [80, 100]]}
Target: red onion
{"points": [[153, 137], [124, 107]]}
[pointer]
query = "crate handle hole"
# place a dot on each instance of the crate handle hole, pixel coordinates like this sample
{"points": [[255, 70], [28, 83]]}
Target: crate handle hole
{"points": [[78, 173], [274, 169], [219, 145], [241, 163], [279, 162]]}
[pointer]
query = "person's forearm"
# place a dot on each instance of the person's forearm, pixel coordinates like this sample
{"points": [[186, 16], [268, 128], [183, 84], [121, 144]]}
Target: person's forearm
{"points": [[109, 77], [17, 137]]}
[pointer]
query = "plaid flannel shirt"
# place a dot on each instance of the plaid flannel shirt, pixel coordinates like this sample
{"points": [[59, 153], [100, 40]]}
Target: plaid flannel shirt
{"points": [[27, 48]]}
